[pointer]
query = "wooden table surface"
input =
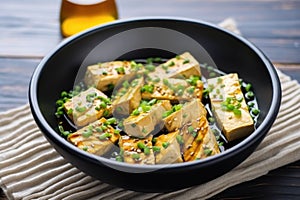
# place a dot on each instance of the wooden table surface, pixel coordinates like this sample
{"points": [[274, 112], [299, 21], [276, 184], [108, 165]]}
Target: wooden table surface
{"points": [[30, 29]]}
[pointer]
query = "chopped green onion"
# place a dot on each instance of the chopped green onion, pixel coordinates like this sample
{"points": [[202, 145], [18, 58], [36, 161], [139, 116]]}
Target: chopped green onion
{"points": [[147, 150], [111, 121], [186, 61], [176, 107], [60, 102], [249, 95], [119, 158], [171, 64], [141, 145], [156, 149], [193, 80], [248, 87], [63, 132], [166, 82], [126, 84], [87, 133], [120, 70], [212, 74], [152, 102], [167, 113], [104, 136], [103, 127], [134, 82], [211, 119], [70, 111], [144, 130], [85, 148], [64, 94], [135, 112], [150, 67], [237, 112], [255, 111], [148, 88], [165, 144], [251, 104], [191, 129], [80, 109], [102, 105], [106, 113], [135, 156], [191, 90], [219, 80], [165, 67], [207, 152], [98, 129], [179, 139]]}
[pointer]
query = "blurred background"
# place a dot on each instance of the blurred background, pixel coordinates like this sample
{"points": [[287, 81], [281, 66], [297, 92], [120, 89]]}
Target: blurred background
{"points": [[263, 22]]}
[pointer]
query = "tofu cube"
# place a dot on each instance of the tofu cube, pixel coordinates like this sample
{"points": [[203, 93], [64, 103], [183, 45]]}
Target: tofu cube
{"points": [[199, 140], [229, 106], [190, 111], [96, 138], [182, 66], [88, 106], [168, 149], [146, 118], [137, 151], [128, 97], [104, 75]]}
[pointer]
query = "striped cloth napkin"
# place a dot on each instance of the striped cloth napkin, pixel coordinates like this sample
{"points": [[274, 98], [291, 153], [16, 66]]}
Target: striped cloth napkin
{"points": [[31, 169]]}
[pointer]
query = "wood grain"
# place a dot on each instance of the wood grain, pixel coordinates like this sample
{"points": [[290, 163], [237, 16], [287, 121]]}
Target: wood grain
{"points": [[262, 22], [14, 80]]}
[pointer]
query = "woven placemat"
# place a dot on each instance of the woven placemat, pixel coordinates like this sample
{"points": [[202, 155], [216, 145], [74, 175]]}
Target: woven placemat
{"points": [[31, 169]]}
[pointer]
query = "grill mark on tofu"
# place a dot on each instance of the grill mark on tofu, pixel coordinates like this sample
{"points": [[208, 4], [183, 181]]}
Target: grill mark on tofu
{"points": [[96, 138], [137, 151], [189, 111], [169, 149], [199, 141]]}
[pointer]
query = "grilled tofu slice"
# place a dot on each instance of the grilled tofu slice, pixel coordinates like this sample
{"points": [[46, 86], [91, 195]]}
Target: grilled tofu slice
{"points": [[173, 89], [96, 138], [146, 118], [137, 151], [198, 140], [181, 115], [182, 66], [88, 106], [103, 75], [168, 148], [127, 97], [229, 106]]}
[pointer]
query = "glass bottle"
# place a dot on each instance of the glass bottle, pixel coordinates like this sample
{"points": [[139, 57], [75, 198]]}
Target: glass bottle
{"points": [[78, 15]]}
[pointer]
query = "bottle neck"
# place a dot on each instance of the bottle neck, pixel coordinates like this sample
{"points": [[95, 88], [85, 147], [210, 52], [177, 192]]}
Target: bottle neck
{"points": [[85, 2]]}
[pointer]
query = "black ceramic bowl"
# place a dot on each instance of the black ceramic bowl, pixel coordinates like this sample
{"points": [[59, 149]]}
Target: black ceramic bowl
{"points": [[142, 38]]}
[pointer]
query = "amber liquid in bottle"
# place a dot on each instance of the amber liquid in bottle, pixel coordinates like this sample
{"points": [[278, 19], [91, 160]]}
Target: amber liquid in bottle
{"points": [[78, 15]]}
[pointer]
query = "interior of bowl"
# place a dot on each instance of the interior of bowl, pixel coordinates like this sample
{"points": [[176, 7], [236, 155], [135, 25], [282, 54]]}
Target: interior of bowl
{"points": [[142, 38], [145, 38]]}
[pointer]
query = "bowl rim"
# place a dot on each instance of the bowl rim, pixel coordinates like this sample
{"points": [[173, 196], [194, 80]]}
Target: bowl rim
{"points": [[255, 135]]}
